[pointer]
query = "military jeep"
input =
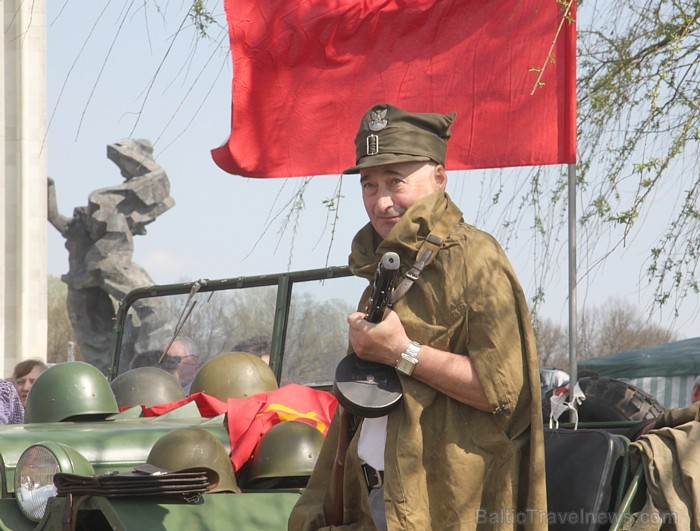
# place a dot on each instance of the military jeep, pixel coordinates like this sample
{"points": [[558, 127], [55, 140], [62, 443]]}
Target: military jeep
{"points": [[77, 430]]}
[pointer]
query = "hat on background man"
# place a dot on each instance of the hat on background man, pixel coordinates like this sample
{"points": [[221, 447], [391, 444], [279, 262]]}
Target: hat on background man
{"points": [[388, 135]]}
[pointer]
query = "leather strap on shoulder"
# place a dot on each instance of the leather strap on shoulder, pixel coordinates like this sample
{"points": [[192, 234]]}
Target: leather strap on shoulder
{"points": [[426, 254]]}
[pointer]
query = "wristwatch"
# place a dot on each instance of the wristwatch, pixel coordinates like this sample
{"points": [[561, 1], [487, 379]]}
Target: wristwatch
{"points": [[409, 359]]}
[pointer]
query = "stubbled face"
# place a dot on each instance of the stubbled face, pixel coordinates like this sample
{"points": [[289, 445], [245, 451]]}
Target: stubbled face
{"points": [[389, 190], [24, 383]]}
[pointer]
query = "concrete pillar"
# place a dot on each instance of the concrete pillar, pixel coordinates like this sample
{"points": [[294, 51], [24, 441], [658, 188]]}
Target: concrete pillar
{"points": [[23, 155]]}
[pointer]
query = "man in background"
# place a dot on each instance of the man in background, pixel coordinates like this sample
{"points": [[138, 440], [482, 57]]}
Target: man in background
{"points": [[258, 345], [183, 350]]}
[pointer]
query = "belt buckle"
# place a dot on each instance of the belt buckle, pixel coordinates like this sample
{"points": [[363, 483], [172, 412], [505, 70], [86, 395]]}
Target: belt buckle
{"points": [[376, 481]]}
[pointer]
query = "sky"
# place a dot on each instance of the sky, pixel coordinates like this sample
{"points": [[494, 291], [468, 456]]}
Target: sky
{"points": [[114, 72]]}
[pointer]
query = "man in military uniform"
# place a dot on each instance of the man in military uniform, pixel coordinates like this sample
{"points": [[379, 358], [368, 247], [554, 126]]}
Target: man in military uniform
{"points": [[464, 447]]}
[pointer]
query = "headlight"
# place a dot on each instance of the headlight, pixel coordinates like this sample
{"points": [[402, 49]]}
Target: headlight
{"points": [[34, 474]]}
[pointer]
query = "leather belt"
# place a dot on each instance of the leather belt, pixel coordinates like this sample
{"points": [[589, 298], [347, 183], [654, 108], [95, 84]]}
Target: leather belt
{"points": [[374, 479]]}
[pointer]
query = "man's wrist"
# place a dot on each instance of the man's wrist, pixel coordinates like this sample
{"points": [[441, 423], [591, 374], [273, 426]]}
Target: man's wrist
{"points": [[408, 360]]}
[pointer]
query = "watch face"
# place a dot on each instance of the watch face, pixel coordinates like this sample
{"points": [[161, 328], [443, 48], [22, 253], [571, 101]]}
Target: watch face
{"points": [[408, 360], [406, 364], [402, 366]]}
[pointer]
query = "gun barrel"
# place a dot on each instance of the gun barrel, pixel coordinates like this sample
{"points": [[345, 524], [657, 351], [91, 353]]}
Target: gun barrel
{"points": [[390, 261]]}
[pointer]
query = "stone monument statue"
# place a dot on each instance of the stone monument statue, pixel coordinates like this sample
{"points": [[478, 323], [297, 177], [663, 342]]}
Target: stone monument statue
{"points": [[99, 239]]}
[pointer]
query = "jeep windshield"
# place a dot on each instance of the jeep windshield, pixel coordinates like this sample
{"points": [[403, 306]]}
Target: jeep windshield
{"points": [[302, 315]]}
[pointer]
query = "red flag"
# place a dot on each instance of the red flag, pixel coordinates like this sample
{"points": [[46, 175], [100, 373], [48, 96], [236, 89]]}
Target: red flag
{"points": [[250, 418], [208, 406], [305, 71]]}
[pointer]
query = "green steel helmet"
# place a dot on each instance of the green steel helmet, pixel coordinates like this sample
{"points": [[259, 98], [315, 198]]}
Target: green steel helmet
{"points": [[146, 386], [285, 456], [234, 375], [194, 447], [73, 390]]}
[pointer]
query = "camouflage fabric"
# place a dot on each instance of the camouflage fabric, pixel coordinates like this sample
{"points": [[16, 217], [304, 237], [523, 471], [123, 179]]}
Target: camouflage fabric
{"points": [[11, 409], [448, 465]]}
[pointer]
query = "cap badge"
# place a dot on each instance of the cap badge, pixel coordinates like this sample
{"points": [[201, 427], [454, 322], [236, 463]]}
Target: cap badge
{"points": [[378, 122], [372, 145]]}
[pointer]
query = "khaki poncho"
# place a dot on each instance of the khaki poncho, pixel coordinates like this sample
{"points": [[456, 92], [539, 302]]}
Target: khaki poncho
{"points": [[448, 465]]}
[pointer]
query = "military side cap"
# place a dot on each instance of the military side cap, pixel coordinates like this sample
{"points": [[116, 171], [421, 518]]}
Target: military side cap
{"points": [[388, 135]]}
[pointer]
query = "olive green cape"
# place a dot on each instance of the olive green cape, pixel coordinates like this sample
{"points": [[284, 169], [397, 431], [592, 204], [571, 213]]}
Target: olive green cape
{"points": [[448, 465]]}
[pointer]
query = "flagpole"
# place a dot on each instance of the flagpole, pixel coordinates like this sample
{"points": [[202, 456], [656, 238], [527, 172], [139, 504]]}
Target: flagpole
{"points": [[573, 378]]}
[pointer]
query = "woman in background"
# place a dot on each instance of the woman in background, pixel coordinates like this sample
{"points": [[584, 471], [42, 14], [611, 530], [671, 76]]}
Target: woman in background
{"points": [[24, 375]]}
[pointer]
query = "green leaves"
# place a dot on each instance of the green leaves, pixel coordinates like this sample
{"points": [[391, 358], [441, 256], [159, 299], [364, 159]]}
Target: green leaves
{"points": [[201, 17]]}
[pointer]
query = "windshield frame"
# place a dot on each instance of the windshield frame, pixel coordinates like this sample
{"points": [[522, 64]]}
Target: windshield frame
{"points": [[284, 281]]}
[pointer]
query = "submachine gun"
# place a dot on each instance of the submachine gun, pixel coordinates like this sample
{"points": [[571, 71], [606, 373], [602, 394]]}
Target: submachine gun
{"points": [[366, 388], [363, 388]]}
